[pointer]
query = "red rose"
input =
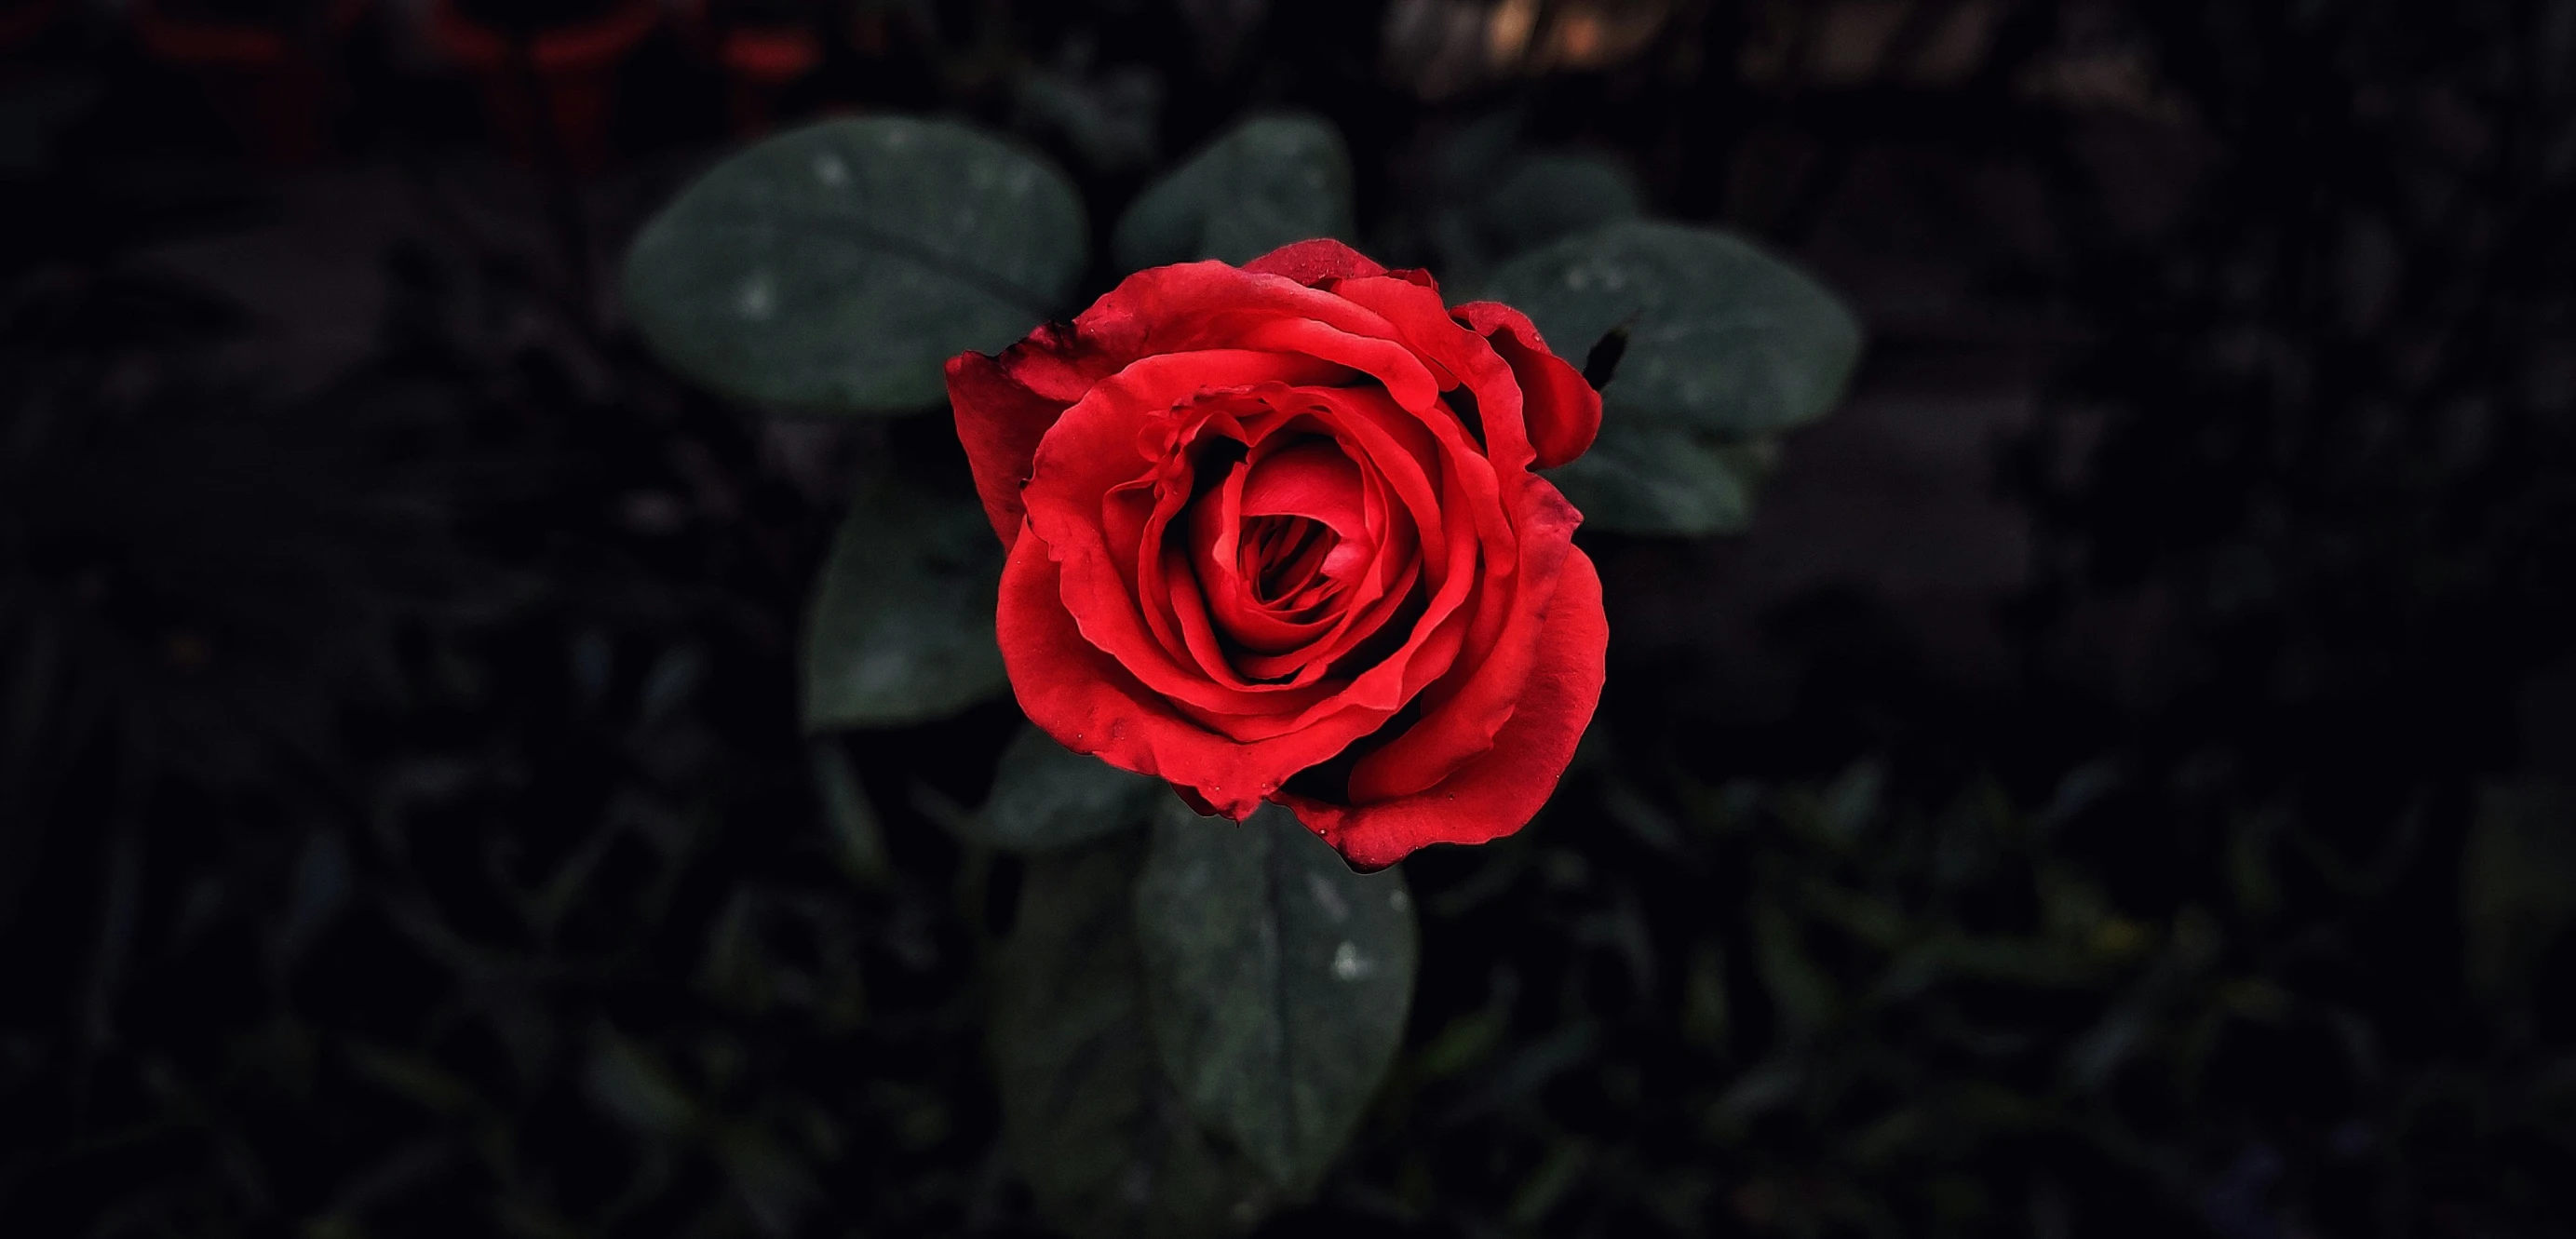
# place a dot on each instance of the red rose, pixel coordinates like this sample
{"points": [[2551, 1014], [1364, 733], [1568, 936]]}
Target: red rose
{"points": [[1274, 536]]}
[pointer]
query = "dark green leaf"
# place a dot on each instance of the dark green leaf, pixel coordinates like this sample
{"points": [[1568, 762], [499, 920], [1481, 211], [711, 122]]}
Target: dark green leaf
{"points": [[1277, 980], [1723, 337], [902, 623], [1086, 1112], [1663, 481], [1265, 183], [837, 267], [1048, 796], [1550, 196]]}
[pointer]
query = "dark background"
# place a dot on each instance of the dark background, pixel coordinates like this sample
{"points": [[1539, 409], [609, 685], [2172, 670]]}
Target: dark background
{"points": [[2121, 784]]}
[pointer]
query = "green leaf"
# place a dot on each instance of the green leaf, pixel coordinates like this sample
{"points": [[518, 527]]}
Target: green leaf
{"points": [[1265, 183], [1546, 197], [1277, 980], [1718, 346], [1047, 796], [1664, 481], [1502, 202], [902, 624], [1086, 1112], [1722, 336], [836, 268]]}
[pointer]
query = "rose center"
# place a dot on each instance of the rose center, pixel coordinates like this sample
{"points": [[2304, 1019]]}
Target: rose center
{"points": [[1284, 558], [1282, 541]]}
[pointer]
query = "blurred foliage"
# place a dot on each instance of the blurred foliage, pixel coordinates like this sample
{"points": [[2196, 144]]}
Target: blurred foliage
{"points": [[407, 829], [407, 820], [1873, 1006]]}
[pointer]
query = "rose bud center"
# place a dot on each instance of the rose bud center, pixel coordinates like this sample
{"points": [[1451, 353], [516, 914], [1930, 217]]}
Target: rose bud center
{"points": [[1284, 541]]}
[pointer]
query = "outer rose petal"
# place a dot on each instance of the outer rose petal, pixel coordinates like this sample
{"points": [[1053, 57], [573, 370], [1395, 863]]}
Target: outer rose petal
{"points": [[1000, 422], [1497, 793], [1004, 406], [1461, 715], [1561, 409], [1203, 305], [1312, 262]]}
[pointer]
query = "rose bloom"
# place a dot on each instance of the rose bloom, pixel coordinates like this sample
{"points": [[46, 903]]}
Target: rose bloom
{"points": [[1274, 535]]}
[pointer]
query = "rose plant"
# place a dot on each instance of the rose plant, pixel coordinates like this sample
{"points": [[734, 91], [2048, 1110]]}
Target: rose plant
{"points": [[1267, 525]]}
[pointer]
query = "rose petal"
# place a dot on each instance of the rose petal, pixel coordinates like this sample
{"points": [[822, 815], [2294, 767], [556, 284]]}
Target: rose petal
{"points": [[1094, 448], [1090, 704], [1368, 611], [1105, 607], [1313, 262], [1398, 369], [1400, 451], [1311, 477], [1561, 409], [1000, 422], [1498, 792], [1276, 645], [1462, 713], [1203, 305], [1425, 328]]}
